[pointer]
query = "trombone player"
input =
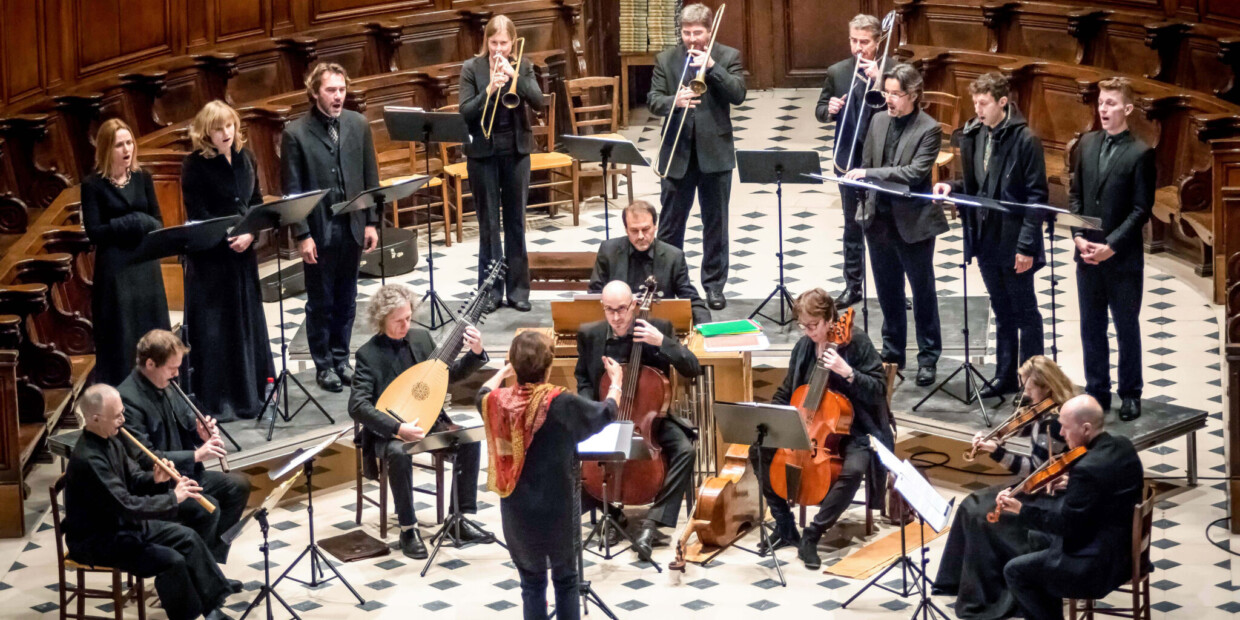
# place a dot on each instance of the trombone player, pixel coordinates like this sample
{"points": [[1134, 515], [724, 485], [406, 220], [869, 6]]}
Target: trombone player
{"points": [[842, 101], [498, 93], [697, 154]]}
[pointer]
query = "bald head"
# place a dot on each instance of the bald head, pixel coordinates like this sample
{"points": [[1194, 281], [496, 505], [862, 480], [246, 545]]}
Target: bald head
{"points": [[617, 303], [1081, 419], [102, 410]]}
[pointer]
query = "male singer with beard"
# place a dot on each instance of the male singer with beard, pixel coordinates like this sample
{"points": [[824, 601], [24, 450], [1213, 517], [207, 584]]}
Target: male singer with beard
{"points": [[705, 155]]}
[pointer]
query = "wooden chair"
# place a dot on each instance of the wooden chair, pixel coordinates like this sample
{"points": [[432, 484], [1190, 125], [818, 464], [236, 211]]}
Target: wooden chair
{"points": [[400, 164], [1139, 586], [436, 467], [948, 115], [592, 110], [120, 594]]}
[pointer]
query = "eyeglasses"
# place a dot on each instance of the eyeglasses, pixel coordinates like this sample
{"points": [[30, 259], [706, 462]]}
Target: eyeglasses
{"points": [[891, 96], [617, 310], [809, 327]]}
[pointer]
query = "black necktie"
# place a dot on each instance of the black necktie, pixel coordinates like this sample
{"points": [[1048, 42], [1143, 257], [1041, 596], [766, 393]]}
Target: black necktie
{"points": [[1108, 151]]}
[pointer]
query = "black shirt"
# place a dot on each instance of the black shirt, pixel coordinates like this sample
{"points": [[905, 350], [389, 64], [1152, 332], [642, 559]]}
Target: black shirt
{"points": [[107, 493], [641, 265], [894, 130], [329, 123]]}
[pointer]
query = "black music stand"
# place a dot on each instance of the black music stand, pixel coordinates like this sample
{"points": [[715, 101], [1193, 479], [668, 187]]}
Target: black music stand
{"points": [[778, 167], [417, 125], [181, 241], [763, 426], [305, 459], [930, 509], [260, 515], [607, 151], [610, 448], [449, 441], [273, 215], [378, 198]]}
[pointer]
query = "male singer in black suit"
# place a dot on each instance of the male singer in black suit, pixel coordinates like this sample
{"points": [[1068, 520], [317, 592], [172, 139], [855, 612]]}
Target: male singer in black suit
{"points": [[639, 255], [705, 155], [614, 338], [901, 148], [331, 148], [852, 120], [1113, 179], [1089, 542], [1002, 159]]}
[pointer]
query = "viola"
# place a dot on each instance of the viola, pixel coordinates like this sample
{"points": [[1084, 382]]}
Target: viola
{"points": [[1042, 477], [644, 397], [828, 417], [1023, 417]]}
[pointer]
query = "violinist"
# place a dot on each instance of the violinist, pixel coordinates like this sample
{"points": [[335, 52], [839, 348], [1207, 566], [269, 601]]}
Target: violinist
{"points": [[856, 373], [1087, 547], [614, 338], [976, 551]]}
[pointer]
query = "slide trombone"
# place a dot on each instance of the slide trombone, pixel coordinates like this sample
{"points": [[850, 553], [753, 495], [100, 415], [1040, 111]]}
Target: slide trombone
{"points": [[873, 96], [509, 97], [698, 85]]}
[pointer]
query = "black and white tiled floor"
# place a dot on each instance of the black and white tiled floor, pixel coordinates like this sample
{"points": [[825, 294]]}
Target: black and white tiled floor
{"points": [[1181, 356]]}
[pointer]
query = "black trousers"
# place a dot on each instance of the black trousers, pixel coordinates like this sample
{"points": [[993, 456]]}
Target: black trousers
{"points": [[229, 492], [331, 297], [713, 190], [533, 573], [854, 242], [501, 186], [400, 477], [187, 578], [856, 460], [1018, 322], [678, 455], [891, 260], [1099, 290], [1041, 580]]}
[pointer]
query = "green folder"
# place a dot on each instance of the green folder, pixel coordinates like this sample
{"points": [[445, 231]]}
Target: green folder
{"points": [[729, 328]]}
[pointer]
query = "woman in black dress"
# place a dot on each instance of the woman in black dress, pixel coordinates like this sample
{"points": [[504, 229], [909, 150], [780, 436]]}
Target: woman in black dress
{"points": [[118, 209], [230, 356], [533, 429], [977, 550]]}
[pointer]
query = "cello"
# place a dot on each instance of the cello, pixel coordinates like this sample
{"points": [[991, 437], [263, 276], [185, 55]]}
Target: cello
{"points": [[828, 416], [644, 396]]}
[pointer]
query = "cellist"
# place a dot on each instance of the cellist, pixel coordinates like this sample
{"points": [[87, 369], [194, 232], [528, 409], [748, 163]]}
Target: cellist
{"points": [[856, 373], [613, 338]]}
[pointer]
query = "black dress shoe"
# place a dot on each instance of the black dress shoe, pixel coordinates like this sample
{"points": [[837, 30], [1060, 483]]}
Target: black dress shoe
{"points": [[489, 305], [411, 544], [345, 373], [780, 539], [1130, 409], [925, 375], [519, 306], [996, 390], [471, 533], [645, 541], [715, 300], [216, 614], [328, 380], [848, 298], [235, 585], [807, 551]]}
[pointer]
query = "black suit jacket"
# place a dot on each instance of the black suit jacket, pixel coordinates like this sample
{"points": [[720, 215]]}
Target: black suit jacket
{"points": [[162, 421], [475, 75], [837, 84], [1017, 173], [670, 270], [308, 162], [917, 219], [709, 125], [1092, 524], [1122, 195], [591, 344], [376, 369]]}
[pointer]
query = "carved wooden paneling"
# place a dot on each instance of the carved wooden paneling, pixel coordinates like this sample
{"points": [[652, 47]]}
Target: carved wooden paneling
{"points": [[113, 33], [434, 44], [21, 59], [239, 19], [326, 11], [810, 36], [1201, 68]]}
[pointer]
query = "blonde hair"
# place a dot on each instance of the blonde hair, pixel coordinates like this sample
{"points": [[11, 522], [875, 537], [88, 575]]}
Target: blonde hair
{"points": [[106, 139], [1043, 371], [387, 299], [212, 116], [493, 27], [314, 81]]}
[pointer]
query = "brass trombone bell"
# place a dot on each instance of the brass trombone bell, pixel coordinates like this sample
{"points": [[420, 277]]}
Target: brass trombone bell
{"points": [[508, 98]]}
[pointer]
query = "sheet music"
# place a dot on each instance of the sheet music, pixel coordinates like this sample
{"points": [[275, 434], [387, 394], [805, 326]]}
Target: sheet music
{"points": [[914, 487], [615, 439]]}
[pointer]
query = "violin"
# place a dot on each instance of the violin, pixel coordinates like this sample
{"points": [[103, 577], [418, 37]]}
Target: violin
{"points": [[1023, 417], [645, 395], [1041, 478], [829, 418]]}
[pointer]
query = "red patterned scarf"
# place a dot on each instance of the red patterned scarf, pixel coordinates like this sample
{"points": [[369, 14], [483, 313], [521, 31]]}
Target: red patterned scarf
{"points": [[512, 415]]}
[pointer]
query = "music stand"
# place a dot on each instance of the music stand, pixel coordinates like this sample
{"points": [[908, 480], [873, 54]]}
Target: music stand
{"points": [[778, 167], [610, 448], [608, 150], [930, 509], [182, 241], [305, 459], [260, 515], [378, 198], [449, 442], [764, 426], [416, 125]]}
